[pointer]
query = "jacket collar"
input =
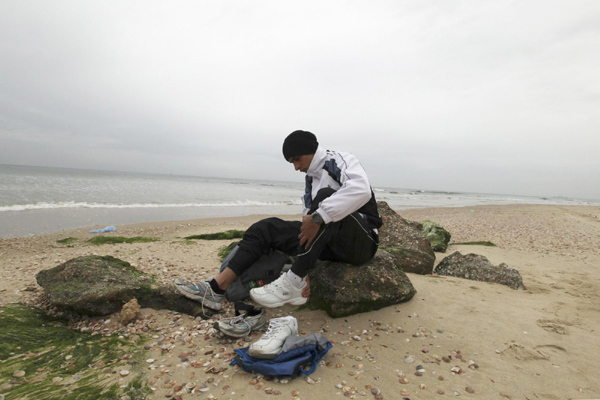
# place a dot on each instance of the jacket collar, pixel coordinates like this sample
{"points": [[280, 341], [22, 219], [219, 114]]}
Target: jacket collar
{"points": [[317, 162]]}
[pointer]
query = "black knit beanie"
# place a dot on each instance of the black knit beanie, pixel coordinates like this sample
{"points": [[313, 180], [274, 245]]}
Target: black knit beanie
{"points": [[299, 143]]}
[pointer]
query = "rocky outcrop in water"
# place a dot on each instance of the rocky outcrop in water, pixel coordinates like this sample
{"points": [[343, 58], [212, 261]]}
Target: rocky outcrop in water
{"points": [[404, 241], [343, 289], [479, 268], [101, 285]]}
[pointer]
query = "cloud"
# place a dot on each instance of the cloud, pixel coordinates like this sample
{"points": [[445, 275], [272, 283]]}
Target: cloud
{"points": [[495, 97]]}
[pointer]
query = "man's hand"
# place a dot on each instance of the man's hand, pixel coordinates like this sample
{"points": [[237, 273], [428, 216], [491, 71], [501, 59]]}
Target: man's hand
{"points": [[308, 231], [306, 290]]}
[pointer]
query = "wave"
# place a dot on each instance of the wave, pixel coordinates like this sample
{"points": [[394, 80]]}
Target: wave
{"points": [[72, 204]]}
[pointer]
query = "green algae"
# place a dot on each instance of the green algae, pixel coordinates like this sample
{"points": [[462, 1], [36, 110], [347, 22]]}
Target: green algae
{"points": [[489, 244], [186, 242], [389, 249], [44, 349], [227, 235], [69, 240], [398, 251], [437, 235], [225, 250], [404, 252], [100, 240]]}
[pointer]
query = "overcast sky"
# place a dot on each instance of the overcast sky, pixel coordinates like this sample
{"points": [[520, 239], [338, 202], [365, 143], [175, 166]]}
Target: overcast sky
{"points": [[481, 96]]}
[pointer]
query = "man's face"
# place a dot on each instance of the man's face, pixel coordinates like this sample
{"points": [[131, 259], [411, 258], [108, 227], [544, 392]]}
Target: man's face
{"points": [[301, 163]]}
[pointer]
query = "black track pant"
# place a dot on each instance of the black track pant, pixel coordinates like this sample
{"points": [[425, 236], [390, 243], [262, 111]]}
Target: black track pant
{"points": [[349, 240]]}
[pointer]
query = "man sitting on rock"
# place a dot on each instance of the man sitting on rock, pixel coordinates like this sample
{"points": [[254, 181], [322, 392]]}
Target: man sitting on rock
{"points": [[340, 222]]}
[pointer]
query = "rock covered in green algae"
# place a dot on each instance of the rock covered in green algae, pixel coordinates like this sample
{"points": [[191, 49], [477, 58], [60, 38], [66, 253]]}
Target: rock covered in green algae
{"points": [[403, 240], [343, 289], [437, 235], [101, 285], [478, 268]]}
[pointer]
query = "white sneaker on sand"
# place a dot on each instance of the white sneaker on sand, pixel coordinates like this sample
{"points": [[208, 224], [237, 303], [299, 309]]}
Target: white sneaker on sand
{"points": [[269, 345], [278, 293], [243, 324]]}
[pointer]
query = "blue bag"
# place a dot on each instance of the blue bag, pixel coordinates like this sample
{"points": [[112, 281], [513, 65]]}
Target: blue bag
{"points": [[104, 230], [297, 361]]}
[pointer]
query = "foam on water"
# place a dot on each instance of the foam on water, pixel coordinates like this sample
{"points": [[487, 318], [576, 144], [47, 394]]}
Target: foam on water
{"points": [[36, 200], [72, 204]]}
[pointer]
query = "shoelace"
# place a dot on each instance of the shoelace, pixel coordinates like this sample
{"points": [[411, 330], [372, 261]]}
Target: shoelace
{"points": [[242, 317], [274, 327], [197, 285], [276, 284], [236, 320], [204, 298]]}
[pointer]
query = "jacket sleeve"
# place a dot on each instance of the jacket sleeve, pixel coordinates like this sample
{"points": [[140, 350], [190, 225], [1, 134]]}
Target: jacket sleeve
{"points": [[355, 191]]}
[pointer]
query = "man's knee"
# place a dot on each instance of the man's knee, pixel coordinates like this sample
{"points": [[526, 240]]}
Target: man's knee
{"points": [[262, 225], [321, 195]]}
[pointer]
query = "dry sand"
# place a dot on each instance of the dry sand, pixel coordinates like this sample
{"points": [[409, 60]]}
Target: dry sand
{"points": [[540, 343]]}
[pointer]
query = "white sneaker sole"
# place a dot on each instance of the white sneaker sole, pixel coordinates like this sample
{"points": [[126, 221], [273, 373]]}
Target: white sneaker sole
{"points": [[294, 302], [260, 354]]}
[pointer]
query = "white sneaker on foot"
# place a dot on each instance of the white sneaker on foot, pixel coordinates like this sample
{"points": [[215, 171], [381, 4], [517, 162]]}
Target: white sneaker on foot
{"points": [[269, 345], [278, 293]]}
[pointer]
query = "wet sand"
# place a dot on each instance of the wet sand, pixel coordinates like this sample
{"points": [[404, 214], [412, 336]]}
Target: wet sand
{"points": [[540, 343]]}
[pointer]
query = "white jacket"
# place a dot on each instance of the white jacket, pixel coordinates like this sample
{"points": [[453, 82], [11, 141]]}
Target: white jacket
{"points": [[343, 173]]}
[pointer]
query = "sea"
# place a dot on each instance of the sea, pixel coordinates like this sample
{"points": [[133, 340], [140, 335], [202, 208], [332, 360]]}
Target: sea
{"points": [[38, 200]]}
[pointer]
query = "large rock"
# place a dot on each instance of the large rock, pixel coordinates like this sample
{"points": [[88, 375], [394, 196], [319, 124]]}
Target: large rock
{"points": [[344, 289], [479, 268], [437, 235], [101, 285], [404, 241]]}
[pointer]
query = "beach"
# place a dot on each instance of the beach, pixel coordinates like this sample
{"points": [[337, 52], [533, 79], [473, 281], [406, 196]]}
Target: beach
{"points": [[539, 343]]}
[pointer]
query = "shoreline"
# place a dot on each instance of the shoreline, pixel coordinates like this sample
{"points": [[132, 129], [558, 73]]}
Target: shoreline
{"points": [[18, 224], [541, 342]]}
